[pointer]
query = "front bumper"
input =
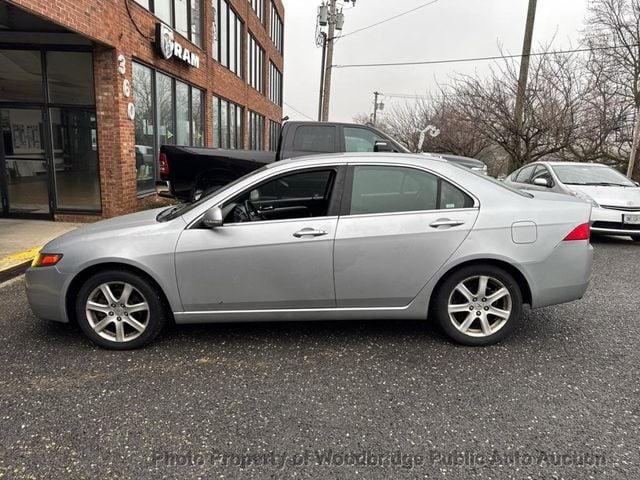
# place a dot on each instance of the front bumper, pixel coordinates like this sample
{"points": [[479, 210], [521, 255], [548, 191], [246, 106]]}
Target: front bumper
{"points": [[610, 222], [45, 292]]}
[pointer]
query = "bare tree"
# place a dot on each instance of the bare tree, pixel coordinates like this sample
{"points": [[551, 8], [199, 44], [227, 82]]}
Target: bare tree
{"points": [[613, 33], [550, 107]]}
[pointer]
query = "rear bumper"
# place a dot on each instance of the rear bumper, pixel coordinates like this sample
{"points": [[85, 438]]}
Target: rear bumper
{"points": [[564, 276]]}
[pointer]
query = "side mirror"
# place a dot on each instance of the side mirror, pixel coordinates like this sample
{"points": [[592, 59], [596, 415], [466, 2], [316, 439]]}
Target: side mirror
{"points": [[382, 147], [212, 218], [542, 182]]}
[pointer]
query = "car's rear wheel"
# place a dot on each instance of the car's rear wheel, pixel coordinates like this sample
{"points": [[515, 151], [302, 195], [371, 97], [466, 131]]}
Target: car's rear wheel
{"points": [[120, 310], [478, 305]]}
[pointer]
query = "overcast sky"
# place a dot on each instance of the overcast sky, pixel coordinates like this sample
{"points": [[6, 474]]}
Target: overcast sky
{"points": [[444, 30]]}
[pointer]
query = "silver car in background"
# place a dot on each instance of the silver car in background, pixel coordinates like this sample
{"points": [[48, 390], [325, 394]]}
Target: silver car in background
{"points": [[342, 237], [614, 197]]}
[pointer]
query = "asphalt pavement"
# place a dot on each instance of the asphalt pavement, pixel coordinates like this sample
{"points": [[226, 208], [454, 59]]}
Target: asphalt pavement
{"points": [[560, 399]]}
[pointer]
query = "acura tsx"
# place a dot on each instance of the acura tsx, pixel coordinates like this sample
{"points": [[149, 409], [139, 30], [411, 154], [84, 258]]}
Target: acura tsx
{"points": [[351, 236]]}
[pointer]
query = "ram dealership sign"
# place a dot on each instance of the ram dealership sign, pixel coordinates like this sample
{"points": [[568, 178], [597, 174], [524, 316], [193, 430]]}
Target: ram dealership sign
{"points": [[168, 46]]}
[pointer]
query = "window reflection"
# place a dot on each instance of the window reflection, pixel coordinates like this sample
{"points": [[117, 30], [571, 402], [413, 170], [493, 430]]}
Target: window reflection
{"points": [[75, 158]]}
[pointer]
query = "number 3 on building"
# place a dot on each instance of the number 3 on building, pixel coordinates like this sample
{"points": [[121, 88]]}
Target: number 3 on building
{"points": [[122, 64]]}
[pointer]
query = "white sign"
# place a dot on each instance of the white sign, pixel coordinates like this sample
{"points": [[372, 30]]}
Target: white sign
{"points": [[168, 46]]}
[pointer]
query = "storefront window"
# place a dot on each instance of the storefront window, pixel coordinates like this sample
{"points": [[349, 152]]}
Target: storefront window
{"points": [[75, 155], [20, 76], [164, 99], [182, 114], [227, 124], [144, 126], [196, 117], [256, 131], [70, 78], [175, 107]]}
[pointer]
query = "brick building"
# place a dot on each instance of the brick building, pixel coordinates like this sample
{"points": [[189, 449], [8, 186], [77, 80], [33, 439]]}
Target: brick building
{"points": [[89, 90]]}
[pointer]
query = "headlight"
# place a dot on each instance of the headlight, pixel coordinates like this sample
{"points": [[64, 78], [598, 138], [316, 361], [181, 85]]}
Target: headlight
{"points": [[585, 197], [46, 259]]}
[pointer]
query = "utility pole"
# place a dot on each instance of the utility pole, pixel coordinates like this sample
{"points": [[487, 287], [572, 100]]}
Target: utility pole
{"points": [[322, 67], [328, 16], [522, 80], [327, 68], [375, 107]]}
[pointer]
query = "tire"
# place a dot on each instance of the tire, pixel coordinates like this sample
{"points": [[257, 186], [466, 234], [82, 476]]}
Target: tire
{"points": [[132, 326], [476, 324]]}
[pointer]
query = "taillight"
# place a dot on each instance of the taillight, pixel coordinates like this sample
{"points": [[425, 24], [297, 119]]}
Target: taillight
{"points": [[581, 232], [164, 165]]}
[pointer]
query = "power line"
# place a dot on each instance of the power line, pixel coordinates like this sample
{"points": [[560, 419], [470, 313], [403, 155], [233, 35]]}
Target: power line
{"points": [[476, 59], [298, 111], [389, 19]]}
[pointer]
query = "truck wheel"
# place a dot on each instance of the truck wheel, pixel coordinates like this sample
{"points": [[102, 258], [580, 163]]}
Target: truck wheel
{"points": [[478, 305]]}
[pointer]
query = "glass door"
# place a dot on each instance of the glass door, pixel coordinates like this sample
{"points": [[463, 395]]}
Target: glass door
{"points": [[24, 163]]}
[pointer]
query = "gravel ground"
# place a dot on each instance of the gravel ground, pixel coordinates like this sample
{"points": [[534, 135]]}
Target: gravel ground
{"points": [[557, 400]]}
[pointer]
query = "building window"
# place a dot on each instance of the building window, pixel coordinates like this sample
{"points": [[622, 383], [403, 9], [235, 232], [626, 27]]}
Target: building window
{"points": [[258, 7], [227, 124], [275, 84], [277, 29], [256, 65], [70, 78], [168, 112], [182, 15], [256, 131], [227, 33], [26, 84], [274, 135]]}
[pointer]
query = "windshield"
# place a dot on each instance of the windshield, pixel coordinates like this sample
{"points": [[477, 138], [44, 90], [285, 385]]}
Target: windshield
{"points": [[590, 175], [177, 210]]}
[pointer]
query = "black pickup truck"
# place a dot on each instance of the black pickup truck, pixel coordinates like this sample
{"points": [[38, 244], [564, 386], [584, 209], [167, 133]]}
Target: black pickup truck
{"points": [[190, 172]]}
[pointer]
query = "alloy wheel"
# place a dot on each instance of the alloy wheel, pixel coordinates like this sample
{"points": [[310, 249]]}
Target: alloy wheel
{"points": [[479, 306], [117, 311]]}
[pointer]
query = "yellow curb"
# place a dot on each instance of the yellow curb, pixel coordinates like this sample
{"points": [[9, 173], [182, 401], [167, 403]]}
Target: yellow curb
{"points": [[15, 259]]}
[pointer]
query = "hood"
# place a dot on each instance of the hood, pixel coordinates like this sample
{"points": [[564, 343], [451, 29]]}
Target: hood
{"points": [[611, 196], [131, 224]]}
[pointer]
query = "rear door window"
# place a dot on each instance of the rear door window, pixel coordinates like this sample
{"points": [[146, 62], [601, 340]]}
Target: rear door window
{"points": [[382, 189], [315, 139]]}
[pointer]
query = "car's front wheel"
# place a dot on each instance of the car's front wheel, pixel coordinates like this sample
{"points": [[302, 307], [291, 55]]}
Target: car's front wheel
{"points": [[120, 310], [478, 305]]}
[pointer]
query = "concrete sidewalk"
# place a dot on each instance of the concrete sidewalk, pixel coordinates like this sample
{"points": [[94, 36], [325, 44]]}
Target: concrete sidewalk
{"points": [[20, 241]]}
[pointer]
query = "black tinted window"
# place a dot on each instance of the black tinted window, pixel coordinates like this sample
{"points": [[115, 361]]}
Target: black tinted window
{"points": [[358, 139], [400, 189], [301, 185], [316, 138]]}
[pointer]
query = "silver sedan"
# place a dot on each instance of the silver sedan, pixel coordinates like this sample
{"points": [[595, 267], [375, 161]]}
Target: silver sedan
{"points": [[354, 236], [614, 197]]}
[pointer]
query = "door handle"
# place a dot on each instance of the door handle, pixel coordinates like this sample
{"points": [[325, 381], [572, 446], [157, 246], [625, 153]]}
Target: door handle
{"points": [[445, 222], [265, 208], [308, 231]]}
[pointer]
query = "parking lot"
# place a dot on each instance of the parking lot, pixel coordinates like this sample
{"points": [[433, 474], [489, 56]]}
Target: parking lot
{"points": [[558, 399]]}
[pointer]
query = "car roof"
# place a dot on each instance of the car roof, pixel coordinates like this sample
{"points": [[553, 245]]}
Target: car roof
{"points": [[343, 158], [558, 162]]}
